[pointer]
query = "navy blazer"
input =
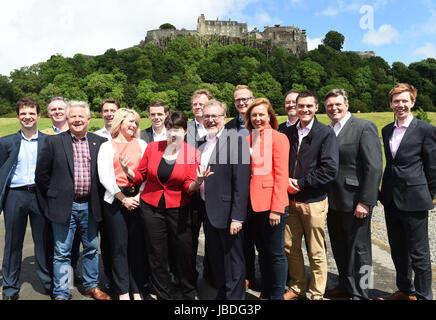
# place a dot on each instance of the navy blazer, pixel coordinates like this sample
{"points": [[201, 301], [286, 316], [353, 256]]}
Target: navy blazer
{"points": [[147, 135], [227, 190], [55, 176], [315, 164], [9, 150], [409, 179]]}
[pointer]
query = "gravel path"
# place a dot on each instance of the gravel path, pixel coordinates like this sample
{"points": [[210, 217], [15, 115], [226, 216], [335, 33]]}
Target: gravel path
{"points": [[380, 237]]}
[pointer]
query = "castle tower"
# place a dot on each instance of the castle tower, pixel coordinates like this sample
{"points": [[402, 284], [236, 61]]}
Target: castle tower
{"points": [[201, 25]]}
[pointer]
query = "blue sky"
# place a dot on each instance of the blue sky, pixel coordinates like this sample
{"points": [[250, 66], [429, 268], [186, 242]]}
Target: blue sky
{"points": [[33, 30]]}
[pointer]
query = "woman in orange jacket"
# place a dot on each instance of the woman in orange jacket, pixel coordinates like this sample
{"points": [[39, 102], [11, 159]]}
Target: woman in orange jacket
{"points": [[268, 195]]}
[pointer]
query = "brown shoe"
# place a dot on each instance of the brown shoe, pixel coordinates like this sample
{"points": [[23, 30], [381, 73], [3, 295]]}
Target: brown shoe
{"points": [[397, 296], [250, 284], [291, 295], [97, 294], [336, 293], [318, 298]]}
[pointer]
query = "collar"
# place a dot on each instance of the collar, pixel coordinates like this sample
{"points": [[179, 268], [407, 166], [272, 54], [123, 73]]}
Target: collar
{"points": [[164, 130], [34, 137], [405, 124], [197, 124], [84, 138], [308, 127], [216, 137], [342, 122]]}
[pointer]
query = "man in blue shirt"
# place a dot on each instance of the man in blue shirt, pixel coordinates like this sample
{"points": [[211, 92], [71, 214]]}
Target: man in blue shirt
{"points": [[19, 200]]}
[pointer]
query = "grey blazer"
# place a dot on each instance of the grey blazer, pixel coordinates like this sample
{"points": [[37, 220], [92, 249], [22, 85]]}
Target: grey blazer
{"points": [[360, 166]]}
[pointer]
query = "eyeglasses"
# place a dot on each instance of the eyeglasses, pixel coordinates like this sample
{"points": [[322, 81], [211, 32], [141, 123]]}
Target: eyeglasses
{"points": [[212, 117], [243, 100]]}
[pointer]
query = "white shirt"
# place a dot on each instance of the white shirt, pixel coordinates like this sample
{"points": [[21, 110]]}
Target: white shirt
{"points": [[398, 134], [159, 136], [302, 132], [200, 129], [103, 132], [206, 154], [340, 124]]}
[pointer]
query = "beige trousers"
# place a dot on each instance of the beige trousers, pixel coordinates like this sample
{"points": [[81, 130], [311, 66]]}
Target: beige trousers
{"points": [[308, 219]]}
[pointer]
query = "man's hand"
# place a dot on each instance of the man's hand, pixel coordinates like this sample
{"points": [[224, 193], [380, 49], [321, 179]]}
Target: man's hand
{"points": [[235, 227], [293, 186], [361, 211]]}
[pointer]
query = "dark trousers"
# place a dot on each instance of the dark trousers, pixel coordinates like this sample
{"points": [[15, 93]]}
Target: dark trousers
{"points": [[350, 238], [249, 230], [410, 250], [169, 233], [18, 206], [226, 255], [270, 243], [127, 246]]}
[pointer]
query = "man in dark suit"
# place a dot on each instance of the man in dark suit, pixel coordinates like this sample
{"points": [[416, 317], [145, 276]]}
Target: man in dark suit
{"points": [[291, 110], [66, 173], [224, 198], [19, 200], [408, 188], [242, 98], [352, 196], [157, 112]]}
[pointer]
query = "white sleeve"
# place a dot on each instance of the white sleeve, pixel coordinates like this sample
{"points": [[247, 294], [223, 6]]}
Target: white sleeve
{"points": [[106, 172]]}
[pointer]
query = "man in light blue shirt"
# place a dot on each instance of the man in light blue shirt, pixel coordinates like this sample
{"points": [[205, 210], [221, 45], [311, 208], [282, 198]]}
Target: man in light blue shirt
{"points": [[19, 200]]}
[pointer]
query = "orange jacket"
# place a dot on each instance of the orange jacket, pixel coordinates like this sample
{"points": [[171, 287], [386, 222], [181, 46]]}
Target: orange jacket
{"points": [[269, 170]]}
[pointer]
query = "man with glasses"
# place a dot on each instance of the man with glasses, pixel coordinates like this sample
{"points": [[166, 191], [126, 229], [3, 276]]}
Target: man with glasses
{"points": [[243, 96], [224, 199]]}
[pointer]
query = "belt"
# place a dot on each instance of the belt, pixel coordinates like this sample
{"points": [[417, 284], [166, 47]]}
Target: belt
{"points": [[81, 199], [130, 191], [29, 188]]}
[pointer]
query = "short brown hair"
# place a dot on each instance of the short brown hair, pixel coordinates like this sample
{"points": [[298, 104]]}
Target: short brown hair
{"points": [[176, 119], [158, 104], [307, 94], [404, 87], [114, 101], [272, 116], [336, 93], [27, 102], [199, 92]]}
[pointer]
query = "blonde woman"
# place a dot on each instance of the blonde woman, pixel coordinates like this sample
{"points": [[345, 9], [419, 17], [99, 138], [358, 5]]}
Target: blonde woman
{"points": [[121, 204]]}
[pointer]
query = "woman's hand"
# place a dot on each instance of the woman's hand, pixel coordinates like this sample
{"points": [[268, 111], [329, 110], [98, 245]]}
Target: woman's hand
{"points": [[124, 162], [131, 203], [203, 173], [274, 219]]}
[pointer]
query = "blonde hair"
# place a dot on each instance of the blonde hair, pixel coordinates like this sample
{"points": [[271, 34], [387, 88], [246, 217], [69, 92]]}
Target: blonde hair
{"points": [[404, 87], [272, 116], [119, 117]]}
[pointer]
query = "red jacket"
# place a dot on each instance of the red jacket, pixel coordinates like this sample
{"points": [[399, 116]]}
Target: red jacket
{"points": [[176, 189], [269, 171]]}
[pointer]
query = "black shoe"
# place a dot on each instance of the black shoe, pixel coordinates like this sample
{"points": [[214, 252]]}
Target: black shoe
{"points": [[13, 297]]}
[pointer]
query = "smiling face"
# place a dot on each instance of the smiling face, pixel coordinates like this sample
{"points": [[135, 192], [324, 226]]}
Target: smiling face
{"points": [[175, 135], [402, 105], [129, 126], [291, 104], [306, 109], [259, 116], [242, 99], [28, 117], [336, 108], [78, 121], [107, 112], [198, 103], [157, 116], [213, 119], [56, 112]]}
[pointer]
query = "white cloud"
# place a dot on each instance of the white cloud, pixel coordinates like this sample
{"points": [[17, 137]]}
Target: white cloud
{"points": [[31, 31], [313, 43], [384, 35], [426, 51]]}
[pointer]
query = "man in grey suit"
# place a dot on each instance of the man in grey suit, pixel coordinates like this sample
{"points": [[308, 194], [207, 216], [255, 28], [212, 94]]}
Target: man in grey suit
{"points": [[352, 196], [196, 130], [408, 187]]}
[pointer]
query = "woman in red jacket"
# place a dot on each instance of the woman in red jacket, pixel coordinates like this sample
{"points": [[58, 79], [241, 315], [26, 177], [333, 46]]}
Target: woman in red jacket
{"points": [[268, 195], [171, 171]]}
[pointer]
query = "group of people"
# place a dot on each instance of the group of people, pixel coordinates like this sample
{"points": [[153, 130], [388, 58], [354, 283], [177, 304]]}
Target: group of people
{"points": [[250, 183]]}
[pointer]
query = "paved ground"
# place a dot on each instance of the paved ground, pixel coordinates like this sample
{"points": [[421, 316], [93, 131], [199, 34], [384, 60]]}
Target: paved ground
{"points": [[383, 280]]}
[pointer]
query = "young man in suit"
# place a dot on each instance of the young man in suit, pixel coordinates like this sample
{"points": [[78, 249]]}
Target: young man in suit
{"points": [[313, 164], [352, 196], [291, 110], [19, 200], [67, 175], [224, 199], [408, 188], [157, 112], [242, 98], [108, 109]]}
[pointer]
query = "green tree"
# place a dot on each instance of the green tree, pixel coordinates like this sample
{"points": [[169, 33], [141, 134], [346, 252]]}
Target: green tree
{"points": [[167, 26], [334, 39]]}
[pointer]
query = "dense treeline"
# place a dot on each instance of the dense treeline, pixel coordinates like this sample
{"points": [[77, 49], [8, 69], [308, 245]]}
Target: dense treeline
{"points": [[137, 76]]}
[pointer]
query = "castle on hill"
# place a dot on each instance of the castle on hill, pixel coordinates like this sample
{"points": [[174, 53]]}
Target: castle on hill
{"points": [[233, 32]]}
